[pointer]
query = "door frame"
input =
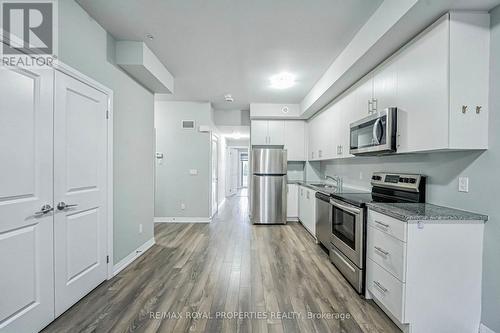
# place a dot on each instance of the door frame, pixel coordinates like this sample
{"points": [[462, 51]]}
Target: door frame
{"points": [[214, 137], [70, 71]]}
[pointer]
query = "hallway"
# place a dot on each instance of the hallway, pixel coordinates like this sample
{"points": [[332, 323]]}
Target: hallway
{"points": [[198, 275]]}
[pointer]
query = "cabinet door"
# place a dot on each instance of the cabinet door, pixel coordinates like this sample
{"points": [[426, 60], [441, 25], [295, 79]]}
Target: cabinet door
{"points": [[259, 132], [307, 208], [295, 140], [292, 201], [301, 198], [363, 92], [312, 149], [276, 132], [423, 92], [469, 72], [324, 134], [312, 212], [385, 86]]}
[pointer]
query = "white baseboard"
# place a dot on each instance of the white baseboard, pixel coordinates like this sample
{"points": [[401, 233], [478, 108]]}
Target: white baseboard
{"points": [[182, 219], [292, 219], [122, 264], [484, 329]]}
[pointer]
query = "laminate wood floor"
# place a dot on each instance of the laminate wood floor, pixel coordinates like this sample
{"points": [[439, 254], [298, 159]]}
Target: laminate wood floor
{"points": [[227, 276]]}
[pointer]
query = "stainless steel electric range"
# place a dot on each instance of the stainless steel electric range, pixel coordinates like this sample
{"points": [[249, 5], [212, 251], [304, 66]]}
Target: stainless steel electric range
{"points": [[348, 220]]}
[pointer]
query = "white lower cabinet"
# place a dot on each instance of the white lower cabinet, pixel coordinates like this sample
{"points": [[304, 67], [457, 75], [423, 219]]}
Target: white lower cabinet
{"points": [[426, 275], [292, 204], [307, 209]]}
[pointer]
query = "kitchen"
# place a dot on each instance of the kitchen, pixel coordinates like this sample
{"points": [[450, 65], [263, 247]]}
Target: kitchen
{"points": [[321, 166]]}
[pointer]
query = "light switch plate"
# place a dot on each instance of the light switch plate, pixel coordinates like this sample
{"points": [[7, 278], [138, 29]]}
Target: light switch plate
{"points": [[463, 184]]}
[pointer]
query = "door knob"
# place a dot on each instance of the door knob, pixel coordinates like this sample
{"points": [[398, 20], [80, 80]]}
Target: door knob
{"points": [[62, 205], [44, 210]]}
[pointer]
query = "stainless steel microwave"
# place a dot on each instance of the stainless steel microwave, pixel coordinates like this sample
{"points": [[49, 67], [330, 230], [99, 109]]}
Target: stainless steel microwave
{"points": [[375, 134]]}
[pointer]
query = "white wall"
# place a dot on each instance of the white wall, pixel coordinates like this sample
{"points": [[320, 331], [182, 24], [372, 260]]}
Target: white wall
{"points": [[86, 46], [184, 150]]}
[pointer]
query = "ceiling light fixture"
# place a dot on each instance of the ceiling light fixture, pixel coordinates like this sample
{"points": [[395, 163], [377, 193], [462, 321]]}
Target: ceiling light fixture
{"points": [[282, 81], [150, 37], [228, 98]]}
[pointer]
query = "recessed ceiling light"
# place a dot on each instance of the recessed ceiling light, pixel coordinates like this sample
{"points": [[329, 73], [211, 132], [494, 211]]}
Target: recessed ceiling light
{"points": [[150, 37], [282, 81]]}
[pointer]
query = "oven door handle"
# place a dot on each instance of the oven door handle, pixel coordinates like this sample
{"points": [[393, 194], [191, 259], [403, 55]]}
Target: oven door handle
{"points": [[340, 205]]}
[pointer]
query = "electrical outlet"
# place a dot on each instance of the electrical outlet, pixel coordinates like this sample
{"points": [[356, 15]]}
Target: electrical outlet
{"points": [[183, 206], [140, 228], [463, 184], [193, 172]]}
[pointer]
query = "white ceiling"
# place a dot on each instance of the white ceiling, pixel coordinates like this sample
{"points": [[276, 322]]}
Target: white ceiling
{"points": [[215, 47]]}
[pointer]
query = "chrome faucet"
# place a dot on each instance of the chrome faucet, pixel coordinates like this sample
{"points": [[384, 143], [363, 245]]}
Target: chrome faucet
{"points": [[336, 179]]}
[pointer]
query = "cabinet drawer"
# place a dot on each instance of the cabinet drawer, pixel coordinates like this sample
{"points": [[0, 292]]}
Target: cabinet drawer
{"points": [[388, 290], [387, 251], [387, 224]]}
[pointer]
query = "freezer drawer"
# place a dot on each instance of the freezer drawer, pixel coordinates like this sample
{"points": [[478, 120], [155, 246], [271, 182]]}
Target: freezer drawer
{"points": [[269, 161], [268, 199]]}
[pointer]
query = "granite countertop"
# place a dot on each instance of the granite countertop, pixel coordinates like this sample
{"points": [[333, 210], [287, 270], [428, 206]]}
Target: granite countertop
{"points": [[424, 212]]}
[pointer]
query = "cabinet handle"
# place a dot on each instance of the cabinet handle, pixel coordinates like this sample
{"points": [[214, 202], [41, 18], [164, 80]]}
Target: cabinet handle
{"points": [[374, 104], [381, 250], [386, 226], [380, 286], [312, 154], [369, 107], [320, 153]]}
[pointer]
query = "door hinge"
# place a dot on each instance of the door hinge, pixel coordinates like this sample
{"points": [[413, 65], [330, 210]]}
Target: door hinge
{"points": [[107, 114], [107, 259]]}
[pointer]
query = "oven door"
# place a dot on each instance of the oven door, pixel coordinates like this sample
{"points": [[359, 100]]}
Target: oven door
{"points": [[347, 230], [374, 134]]}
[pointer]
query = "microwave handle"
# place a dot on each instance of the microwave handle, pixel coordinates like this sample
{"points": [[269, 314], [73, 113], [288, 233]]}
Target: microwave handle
{"points": [[376, 126]]}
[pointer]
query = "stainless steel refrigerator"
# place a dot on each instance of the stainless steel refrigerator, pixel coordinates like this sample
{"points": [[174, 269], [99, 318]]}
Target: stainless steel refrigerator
{"points": [[268, 190]]}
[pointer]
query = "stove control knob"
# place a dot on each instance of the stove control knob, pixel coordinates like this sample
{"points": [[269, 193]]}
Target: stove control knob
{"points": [[413, 180]]}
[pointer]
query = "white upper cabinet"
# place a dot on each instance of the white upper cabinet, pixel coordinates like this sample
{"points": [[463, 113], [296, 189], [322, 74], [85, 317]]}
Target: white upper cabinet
{"points": [[295, 140], [259, 132], [442, 86], [469, 79], [268, 132], [438, 82], [287, 133], [385, 86], [276, 132]]}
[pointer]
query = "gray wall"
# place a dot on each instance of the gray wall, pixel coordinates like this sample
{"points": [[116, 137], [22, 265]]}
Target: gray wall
{"points": [[443, 170], [232, 118], [184, 150], [84, 45]]}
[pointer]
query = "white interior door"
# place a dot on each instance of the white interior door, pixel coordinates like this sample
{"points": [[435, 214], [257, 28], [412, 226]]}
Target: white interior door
{"points": [[215, 175], [26, 184], [80, 150]]}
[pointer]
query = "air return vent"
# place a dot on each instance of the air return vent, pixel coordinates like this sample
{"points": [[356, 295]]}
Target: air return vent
{"points": [[188, 124]]}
